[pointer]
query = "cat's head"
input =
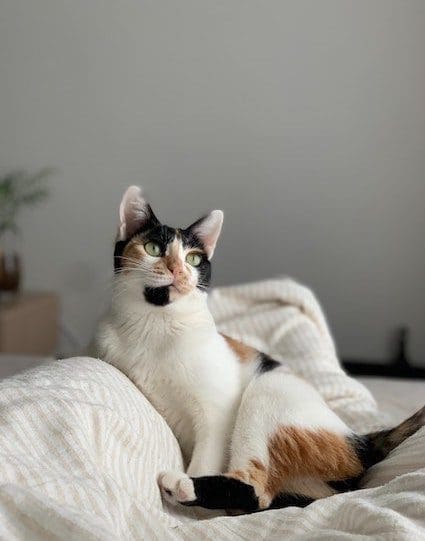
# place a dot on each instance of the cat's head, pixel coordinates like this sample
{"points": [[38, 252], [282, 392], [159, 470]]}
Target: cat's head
{"points": [[161, 263]]}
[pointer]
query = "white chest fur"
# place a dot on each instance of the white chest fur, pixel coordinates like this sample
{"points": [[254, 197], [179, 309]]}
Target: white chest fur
{"points": [[178, 360]]}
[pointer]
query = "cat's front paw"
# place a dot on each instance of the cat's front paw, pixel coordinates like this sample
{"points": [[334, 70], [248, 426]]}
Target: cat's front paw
{"points": [[176, 487]]}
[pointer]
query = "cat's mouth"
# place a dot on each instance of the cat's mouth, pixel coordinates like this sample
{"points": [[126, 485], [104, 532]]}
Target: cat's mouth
{"points": [[177, 291], [175, 287], [171, 286]]}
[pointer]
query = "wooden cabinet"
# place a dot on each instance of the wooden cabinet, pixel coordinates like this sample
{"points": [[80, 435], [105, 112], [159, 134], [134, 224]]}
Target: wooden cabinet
{"points": [[29, 323]]}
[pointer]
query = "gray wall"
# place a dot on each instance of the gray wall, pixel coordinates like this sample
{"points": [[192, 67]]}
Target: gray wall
{"points": [[303, 120]]}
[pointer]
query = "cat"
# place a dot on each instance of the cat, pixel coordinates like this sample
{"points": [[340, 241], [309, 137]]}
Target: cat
{"points": [[253, 435]]}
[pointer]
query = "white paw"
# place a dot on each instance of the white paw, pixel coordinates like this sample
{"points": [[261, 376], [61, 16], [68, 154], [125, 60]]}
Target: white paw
{"points": [[176, 487]]}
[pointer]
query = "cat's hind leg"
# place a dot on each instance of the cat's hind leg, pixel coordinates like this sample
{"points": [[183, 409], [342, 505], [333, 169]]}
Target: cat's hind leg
{"points": [[286, 446]]}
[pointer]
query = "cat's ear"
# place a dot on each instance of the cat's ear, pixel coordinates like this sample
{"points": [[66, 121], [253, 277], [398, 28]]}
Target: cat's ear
{"points": [[135, 213], [208, 229]]}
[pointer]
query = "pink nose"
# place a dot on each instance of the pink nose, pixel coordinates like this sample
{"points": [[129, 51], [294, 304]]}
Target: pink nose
{"points": [[175, 269]]}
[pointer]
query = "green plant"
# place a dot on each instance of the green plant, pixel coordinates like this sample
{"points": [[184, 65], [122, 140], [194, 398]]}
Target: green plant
{"points": [[19, 189]]}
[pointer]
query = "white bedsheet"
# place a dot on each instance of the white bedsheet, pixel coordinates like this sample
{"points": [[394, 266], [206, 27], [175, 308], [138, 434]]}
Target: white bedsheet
{"points": [[81, 447], [398, 398]]}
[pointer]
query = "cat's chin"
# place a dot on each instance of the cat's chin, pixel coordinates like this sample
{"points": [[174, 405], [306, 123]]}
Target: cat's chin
{"points": [[180, 290], [177, 293]]}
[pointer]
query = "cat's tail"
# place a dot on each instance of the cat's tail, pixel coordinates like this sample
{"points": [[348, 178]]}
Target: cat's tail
{"points": [[374, 447]]}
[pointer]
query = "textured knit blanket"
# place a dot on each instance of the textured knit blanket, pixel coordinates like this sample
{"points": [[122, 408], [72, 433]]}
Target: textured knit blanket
{"points": [[81, 447]]}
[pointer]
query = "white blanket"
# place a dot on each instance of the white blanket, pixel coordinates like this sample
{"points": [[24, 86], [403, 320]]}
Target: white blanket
{"points": [[81, 447]]}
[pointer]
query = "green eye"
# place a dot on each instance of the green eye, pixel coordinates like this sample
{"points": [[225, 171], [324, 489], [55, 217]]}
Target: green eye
{"points": [[153, 249], [194, 259]]}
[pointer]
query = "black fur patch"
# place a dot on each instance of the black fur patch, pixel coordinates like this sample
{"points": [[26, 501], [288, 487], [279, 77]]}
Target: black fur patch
{"points": [[150, 219], [160, 296], [204, 270], [290, 500], [191, 240], [220, 492], [162, 235], [266, 364], [346, 485], [368, 453]]}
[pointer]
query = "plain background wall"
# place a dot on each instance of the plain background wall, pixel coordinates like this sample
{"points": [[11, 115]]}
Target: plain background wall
{"points": [[303, 120]]}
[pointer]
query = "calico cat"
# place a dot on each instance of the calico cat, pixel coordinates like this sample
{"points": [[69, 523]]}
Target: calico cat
{"points": [[254, 436]]}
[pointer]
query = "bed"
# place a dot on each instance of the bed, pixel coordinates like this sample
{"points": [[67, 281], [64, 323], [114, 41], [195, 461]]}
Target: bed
{"points": [[82, 447], [398, 398]]}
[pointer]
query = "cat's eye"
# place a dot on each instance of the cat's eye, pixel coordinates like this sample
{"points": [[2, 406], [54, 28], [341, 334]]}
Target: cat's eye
{"points": [[194, 259], [153, 249]]}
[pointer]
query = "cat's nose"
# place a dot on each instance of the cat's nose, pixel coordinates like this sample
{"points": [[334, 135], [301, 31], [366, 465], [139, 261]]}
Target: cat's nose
{"points": [[174, 268], [177, 271]]}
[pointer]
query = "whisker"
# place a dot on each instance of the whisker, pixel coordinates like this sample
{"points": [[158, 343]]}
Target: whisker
{"points": [[123, 271], [127, 258]]}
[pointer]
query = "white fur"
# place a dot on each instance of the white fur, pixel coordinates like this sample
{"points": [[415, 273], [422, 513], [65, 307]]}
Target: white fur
{"points": [[184, 367], [176, 487]]}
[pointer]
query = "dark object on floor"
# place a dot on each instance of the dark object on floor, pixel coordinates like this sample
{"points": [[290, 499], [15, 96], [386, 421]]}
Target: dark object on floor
{"points": [[10, 271], [399, 367]]}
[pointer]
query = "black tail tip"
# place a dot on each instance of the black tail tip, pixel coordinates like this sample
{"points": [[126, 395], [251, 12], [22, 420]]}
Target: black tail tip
{"points": [[378, 445]]}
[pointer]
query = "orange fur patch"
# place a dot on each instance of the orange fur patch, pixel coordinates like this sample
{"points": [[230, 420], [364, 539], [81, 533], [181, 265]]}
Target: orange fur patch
{"points": [[246, 354], [300, 457], [318, 453], [132, 254], [255, 474]]}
